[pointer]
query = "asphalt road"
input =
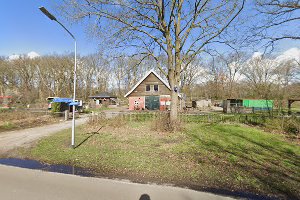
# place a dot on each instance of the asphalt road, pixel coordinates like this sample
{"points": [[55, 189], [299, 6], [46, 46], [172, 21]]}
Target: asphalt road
{"points": [[26, 184], [12, 139]]}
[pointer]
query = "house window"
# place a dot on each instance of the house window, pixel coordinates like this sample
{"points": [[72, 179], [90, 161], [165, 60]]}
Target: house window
{"points": [[147, 88], [155, 88]]}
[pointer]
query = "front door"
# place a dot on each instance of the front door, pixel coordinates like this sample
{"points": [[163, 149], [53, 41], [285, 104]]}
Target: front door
{"points": [[152, 102]]}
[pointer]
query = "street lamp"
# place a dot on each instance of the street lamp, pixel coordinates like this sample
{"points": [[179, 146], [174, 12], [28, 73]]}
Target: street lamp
{"points": [[50, 16]]}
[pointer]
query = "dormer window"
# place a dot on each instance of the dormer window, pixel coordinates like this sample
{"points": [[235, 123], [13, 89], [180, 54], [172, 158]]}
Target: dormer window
{"points": [[147, 88], [155, 87]]}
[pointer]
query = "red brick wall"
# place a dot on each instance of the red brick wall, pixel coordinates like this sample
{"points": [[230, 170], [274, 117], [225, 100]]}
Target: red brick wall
{"points": [[163, 102], [136, 103]]}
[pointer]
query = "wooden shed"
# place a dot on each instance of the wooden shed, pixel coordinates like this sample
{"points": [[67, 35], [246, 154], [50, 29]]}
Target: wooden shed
{"points": [[103, 99], [150, 93]]}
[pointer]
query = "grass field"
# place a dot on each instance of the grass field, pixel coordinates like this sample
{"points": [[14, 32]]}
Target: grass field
{"points": [[227, 157]]}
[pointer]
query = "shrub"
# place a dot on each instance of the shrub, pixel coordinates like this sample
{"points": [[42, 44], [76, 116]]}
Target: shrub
{"points": [[292, 126], [162, 123], [274, 124], [55, 107], [289, 125]]}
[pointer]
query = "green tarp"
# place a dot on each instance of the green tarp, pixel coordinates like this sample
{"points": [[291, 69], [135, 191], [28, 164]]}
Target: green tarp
{"points": [[258, 103]]}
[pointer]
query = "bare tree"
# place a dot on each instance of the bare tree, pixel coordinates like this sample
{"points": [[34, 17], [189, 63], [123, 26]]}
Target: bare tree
{"points": [[276, 15], [231, 65], [55, 73], [190, 77], [3, 76], [260, 74], [93, 75], [179, 29]]}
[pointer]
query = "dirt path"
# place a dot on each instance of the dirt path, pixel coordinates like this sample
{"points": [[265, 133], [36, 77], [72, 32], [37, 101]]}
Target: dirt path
{"points": [[12, 139]]}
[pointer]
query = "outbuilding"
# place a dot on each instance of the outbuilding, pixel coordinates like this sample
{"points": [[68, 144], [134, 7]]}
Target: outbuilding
{"points": [[202, 104], [244, 105], [103, 99]]}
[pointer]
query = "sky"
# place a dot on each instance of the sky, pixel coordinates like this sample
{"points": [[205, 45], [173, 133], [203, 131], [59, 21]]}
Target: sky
{"points": [[25, 29]]}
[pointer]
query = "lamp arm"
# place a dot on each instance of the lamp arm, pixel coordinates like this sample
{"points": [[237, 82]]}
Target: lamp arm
{"points": [[66, 29]]}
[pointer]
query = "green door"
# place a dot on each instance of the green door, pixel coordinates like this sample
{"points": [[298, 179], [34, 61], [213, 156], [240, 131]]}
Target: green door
{"points": [[152, 102]]}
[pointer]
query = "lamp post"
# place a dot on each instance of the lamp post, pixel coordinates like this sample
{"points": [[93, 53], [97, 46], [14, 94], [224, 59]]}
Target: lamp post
{"points": [[50, 16]]}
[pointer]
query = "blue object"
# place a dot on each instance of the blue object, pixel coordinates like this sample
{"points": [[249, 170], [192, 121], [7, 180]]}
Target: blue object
{"points": [[74, 104], [62, 100]]}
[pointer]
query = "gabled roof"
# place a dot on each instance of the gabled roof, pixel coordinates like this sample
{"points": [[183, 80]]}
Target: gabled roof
{"points": [[142, 79], [103, 95]]}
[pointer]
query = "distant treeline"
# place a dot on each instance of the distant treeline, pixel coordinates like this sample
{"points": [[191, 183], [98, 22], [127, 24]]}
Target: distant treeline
{"points": [[226, 76]]}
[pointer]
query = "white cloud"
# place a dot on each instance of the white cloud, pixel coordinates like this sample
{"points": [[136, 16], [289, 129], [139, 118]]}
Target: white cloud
{"points": [[32, 55], [13, 57], [257, 55], [292, 53]]}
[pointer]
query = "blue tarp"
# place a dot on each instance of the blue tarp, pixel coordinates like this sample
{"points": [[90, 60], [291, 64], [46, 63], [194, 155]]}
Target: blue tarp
{"points": [[69, 101], [62, 100], [74, 104]]}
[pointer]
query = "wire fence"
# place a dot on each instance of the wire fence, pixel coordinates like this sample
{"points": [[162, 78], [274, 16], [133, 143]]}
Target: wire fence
{"points": [[197, 118]]}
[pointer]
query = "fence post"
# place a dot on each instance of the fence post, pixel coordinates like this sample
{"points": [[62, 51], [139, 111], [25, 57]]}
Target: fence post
{"points": [[282, 123], [66, 115], [92, 116]]}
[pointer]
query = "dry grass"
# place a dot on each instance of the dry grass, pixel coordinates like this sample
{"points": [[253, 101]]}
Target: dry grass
{"points": [[97, 121], [159, 121], [13, 120]]}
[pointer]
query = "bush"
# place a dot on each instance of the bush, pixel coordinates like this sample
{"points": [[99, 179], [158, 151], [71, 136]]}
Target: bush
{"points": [[292, 126], [274, 124], [163, 123], [289, 125], [55, 107]]}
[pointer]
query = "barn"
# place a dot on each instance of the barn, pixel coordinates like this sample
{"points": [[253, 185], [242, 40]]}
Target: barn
{"points": [[150, 93]]}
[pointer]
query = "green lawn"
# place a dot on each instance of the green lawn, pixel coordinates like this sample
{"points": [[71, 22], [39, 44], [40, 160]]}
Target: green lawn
{"points": [[202, 156]]}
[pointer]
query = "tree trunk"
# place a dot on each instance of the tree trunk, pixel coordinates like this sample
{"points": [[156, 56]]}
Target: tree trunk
{"points": [[178, 62], [174, 83]]}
